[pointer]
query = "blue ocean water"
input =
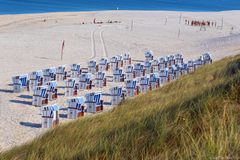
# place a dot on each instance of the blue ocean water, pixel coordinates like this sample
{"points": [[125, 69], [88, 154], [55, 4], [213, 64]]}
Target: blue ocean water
{"points": [[40, 6]]}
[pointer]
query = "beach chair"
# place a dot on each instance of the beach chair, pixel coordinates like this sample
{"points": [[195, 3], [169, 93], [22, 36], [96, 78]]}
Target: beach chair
{"points": [[40, 96], [131, 88], [155, 66], [147, 66], [119, 60], [163, 76], [184, 69], [51, 90], [138, 70], [71, 87], [178, 58], [85, 81], [75, 70], [75, 107], [126, 59], [162, 63], [103, 65], [198, 63], [50, 116], [153, 81], [100, 80], [177, 71], [93, 102], [171, 75], [190, 66], [92, 65], [144, 84], [118, 75], [206, 58], [35, 79], [116, 94], [61, 74], [49, 74], [20, 83], [129, 72], [171, 60], [113, 63], [148, 55]]}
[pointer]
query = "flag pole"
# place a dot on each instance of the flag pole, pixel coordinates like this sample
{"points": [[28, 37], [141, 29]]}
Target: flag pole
{"points": [[62, 49]]}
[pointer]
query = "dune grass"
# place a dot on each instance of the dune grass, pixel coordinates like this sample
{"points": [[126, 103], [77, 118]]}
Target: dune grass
{"points": [[194, 117]]}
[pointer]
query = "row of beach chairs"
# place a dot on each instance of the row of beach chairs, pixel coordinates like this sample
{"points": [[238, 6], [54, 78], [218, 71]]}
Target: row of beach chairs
{"points": [[134, 78]]}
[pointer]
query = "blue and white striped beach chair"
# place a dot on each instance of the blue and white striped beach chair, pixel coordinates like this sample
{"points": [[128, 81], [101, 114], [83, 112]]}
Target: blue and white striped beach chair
{"points": [[190, 66], [40, 96], [184, 69], [20, 83], [71, 87], [154, 81], [93, 102], [113, 63], [75, 70], [129, 72], [131, 88], [61, 73], [144, 84], [100, 80], [148, 55], [147, 66], [35, 79], [206, 58], [126, 59], [163, 76], [162, 62], [178, 58], [118, 75], [119, 60], [138, 70], [155, 66], [116, 95], [103, 65], [51, 90], [92, 66], [50, 116], [75, 107], [49, 74], [85, 81], [198, 63]]}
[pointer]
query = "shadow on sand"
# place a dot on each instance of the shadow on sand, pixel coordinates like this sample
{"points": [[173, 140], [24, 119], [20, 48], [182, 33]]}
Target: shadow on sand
{"points": [[21, 102], [63, 115], [6, 91], [29, 124], [25, 96], [61, 94]]}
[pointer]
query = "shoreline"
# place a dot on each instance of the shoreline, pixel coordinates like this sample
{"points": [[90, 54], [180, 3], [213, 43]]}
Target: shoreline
{"points": [[97, 11]]}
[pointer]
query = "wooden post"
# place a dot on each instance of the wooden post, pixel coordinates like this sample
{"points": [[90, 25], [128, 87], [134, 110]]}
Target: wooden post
{"points": [[101, 107], [180, 18], [166, 21], [105, 82], [179, 31], [131, 26], [63, 43]]}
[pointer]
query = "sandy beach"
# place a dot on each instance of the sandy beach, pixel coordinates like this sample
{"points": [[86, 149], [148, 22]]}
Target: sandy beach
{"points": [[33, 41]]}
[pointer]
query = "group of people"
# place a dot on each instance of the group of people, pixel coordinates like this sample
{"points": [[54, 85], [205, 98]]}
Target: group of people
{"points": [[200, 23]]}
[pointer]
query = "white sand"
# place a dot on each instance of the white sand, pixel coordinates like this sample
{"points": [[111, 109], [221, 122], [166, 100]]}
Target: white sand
{"points": [[28, 43]]}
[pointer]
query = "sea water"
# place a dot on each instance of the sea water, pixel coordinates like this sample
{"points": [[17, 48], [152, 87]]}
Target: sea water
{"points": [[41, 6]]}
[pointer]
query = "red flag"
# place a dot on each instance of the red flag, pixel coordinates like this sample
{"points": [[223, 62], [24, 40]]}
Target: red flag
{"points": [[63, 43]]}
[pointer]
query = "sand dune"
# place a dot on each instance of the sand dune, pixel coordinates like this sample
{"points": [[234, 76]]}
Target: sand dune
{"points": [[33, 42]]}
